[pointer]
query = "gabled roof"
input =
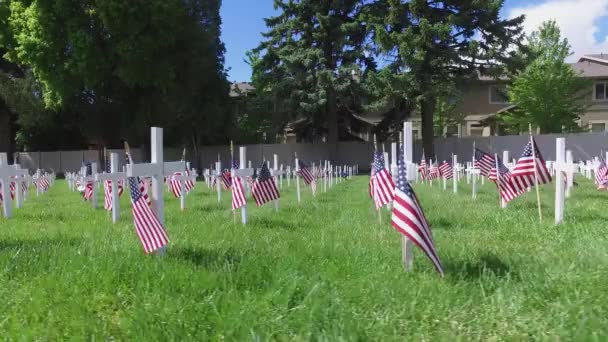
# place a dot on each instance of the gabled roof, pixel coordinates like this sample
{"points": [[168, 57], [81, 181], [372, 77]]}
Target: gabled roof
{"points": [[241, 89], [592, 66]]}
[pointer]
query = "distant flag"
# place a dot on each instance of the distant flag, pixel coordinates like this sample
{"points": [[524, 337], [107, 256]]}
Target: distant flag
{"points": [[502, 177], [107, 187], [484, 162], [408, 217], [422, 169], [601, 176], [434, 171], [226, 179], [190, 183], [238, 193], [382, 185], [308, 176], [175, 185], [264, 188], [523, 173], [12, 189], [446, 170], [88, 189]]}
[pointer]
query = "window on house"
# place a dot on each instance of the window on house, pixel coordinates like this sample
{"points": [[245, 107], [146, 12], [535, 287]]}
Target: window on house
{"points": [[498, 95], [598, 127], [451, 131], [600, 91]]}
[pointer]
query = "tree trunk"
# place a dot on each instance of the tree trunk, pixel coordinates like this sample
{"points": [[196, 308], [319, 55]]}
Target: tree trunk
{"points": [[427, 106]]}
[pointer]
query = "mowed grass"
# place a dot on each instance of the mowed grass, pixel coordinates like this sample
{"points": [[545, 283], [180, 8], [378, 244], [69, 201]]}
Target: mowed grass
{"points": [[322, 270]]}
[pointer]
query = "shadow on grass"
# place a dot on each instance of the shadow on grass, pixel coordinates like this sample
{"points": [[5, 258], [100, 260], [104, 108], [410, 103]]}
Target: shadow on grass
{"points": [[37, 244], [488, 265], [207, 208], [208, 259]]}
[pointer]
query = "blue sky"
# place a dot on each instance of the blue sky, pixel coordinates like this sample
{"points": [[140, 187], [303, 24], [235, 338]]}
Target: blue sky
{"points": [[583, 22]]}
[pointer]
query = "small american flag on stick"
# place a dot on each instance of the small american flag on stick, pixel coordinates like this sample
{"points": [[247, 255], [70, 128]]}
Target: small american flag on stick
{"points": [[382, 186], [264, 188], [238, 193], [446, 171], [308, 176], [484, 162], [408, 217], [601, 175], [524, 172]]}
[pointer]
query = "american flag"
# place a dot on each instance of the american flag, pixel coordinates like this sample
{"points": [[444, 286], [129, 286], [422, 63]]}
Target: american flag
{"points": [[12, 189], [42, 184], [175, 186], [601, 175], [422, 169], [506, 188], [523, 173], [226, 179], [308, 177], [434, 172], [238, 193], [408, 217], [88, 189], [484, 162], [107, 186], [190, 183], [382, 186], [264, 188], [446, 171]]}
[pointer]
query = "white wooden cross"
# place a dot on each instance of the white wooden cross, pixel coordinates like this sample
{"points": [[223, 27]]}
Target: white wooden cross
{"points": [[571, 168], [455, 173], [297, 179], [156, 169], [7, 173], [276, 172], [218, 180], [407, 247], [182, 179], [114, 177], [325, 171], [472, 173], [92, 179], [242, 173], [560, 163], [22, 177]]}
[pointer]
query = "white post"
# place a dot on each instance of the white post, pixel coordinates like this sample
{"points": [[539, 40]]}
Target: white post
{"points": [[218, 179], [6, 172], [560, 150], [474, 178], [407, 247], [93, 172], [325, 171], [275, 167], [570, 173], [115, 198], [242, 162], [455, 173], [505, 157], [157, 157], [298, 180]]}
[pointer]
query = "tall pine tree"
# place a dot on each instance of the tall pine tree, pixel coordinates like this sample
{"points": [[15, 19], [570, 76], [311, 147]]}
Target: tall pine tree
{"points": [[311, 56]]}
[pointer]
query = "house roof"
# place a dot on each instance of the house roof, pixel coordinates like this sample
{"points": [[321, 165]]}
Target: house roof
{"points": [[241, 88]]}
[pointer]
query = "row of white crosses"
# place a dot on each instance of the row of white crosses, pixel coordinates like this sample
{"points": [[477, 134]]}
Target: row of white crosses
{"points": [[114, 176], [8, 174]]}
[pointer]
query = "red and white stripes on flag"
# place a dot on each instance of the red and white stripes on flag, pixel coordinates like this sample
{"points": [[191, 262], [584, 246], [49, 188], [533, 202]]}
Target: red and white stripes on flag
{"points": [[264, 188], [601, 176], [308, 176], [190, 183], [408, 217], [150, 231], [446, 170], [434, 171], [382, 187], [175, 185], [107, 187], [238, 194], [523, 174], [88, 191], [422, 169]]}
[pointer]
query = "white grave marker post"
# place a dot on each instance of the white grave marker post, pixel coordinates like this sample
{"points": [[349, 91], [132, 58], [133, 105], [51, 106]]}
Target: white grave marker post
{"points": [[114, 176], [218, 180], [243, 172], [275, 171], [560, 151], [505, 157], [19, 190], [298, 178], [455, 171], [473, 175], [570, 172], [407, 247], [325, 171], [156, 169], [6, 173], [92, 179]]}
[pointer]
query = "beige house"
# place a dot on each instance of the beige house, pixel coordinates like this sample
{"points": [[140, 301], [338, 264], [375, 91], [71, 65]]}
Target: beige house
{"points": [[486, 97]]}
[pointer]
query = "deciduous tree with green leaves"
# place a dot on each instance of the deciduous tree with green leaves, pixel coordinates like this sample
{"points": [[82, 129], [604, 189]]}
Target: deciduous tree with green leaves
{"points": [[548, 93]]}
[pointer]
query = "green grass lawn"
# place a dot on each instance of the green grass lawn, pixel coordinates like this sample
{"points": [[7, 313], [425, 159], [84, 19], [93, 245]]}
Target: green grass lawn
{"points": [[322, 270]]}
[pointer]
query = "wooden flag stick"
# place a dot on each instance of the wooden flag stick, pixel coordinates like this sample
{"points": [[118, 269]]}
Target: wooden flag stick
{"points": [[540, 213], [473, 179]]}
